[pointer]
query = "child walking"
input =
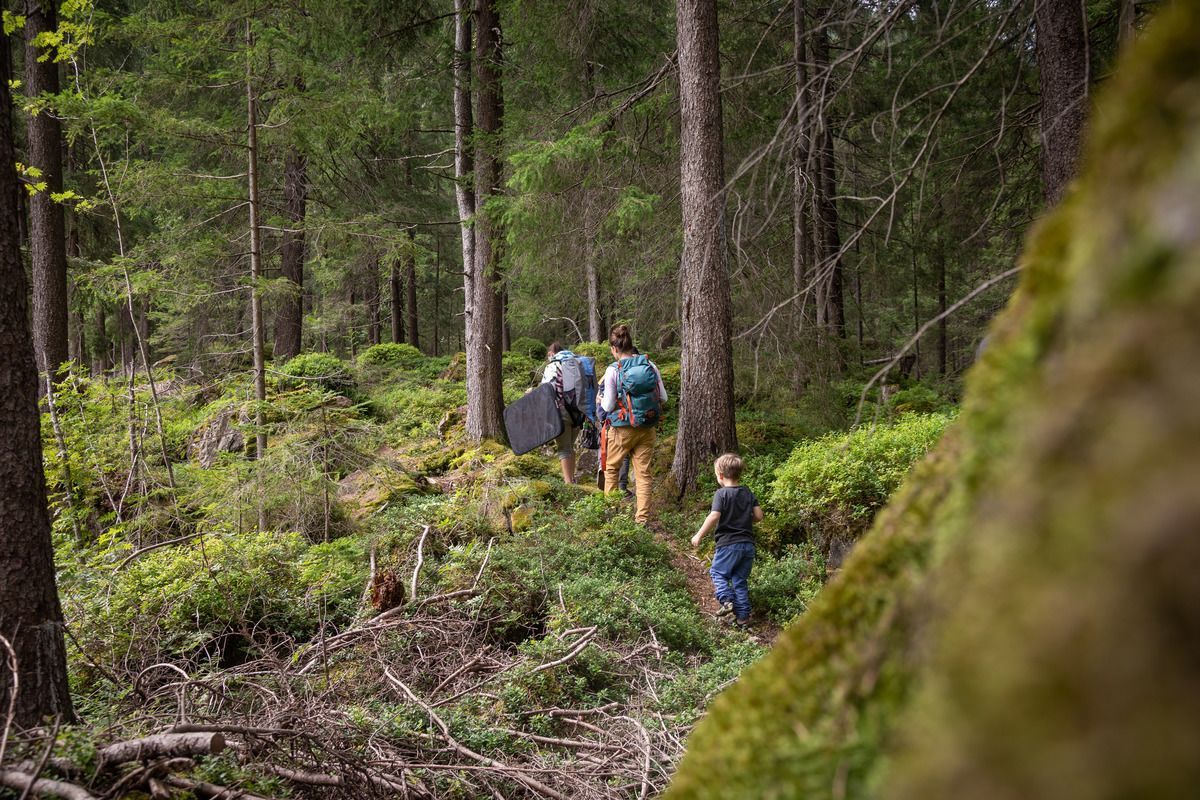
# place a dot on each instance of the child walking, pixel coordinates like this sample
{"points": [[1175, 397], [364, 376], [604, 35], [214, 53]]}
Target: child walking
{"points": [[735, 509]]}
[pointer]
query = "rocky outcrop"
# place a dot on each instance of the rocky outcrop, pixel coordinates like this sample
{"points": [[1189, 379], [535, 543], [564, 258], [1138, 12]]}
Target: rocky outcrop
{"points": [[220, 434]]}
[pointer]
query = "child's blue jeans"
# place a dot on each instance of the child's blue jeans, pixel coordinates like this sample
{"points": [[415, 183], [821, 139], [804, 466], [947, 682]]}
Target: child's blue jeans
{"points": [[730, 570]]}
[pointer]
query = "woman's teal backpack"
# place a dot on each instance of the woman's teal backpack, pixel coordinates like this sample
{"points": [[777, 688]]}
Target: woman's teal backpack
{"points": [[637, 393]]}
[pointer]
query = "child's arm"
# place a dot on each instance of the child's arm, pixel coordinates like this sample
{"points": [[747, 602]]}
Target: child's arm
{"points": [[710, 522], [757, 514]]}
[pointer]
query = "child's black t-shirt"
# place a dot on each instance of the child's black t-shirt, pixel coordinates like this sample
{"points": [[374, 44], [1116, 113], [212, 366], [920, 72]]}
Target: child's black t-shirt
{"points": [[736, 504]]}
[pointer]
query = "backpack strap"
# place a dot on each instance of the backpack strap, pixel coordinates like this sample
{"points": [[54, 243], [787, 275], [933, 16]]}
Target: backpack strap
{"points": [[624, 404]]}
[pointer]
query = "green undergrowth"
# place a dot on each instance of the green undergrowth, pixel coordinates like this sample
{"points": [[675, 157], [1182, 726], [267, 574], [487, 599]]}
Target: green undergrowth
{"points": [[367, 463], [365, 459]]}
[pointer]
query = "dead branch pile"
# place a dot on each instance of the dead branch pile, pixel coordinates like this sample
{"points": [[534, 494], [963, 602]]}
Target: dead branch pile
{"points": [[388, 708]]}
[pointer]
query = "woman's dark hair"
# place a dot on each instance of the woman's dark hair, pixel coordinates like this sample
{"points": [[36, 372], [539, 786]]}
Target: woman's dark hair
{"points": [[555, 347], [620, 339]]}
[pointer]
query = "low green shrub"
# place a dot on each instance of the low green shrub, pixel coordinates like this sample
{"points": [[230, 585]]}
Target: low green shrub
{"points": [[324, 369], [190, 601], [610, 573], [918, 398], [596, 350], [529, 347], [391, 354], [781, 587], [832, 486], [855, 472], [414, 408], [687, 694], [520, 371]]}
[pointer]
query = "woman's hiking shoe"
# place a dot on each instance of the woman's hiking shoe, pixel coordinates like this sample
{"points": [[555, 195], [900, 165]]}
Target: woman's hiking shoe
{"points": [[725, 609]]}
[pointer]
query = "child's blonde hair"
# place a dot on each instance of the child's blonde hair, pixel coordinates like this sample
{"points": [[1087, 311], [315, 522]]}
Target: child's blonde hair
{"points": [[730, 466]]}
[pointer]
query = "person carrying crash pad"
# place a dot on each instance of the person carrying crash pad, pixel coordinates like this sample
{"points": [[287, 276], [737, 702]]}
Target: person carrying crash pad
{"points": [[633, 388], [565, 372], [603, 418]]}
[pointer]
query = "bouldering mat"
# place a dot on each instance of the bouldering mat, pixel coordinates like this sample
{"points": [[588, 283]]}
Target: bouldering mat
{"points": [[533, 420]]}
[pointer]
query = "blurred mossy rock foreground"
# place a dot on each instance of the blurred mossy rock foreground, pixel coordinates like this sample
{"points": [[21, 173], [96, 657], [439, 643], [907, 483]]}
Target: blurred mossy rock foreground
{"points": [[1023, 620]]}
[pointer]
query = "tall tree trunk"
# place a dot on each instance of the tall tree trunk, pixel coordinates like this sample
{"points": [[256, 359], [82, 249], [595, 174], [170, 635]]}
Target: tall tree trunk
{"points": [[831, 309], [414, 337], [289, 322], [31, 618], [591, 270], [256, 317], [1062, 56], [47, 243], [437, 291], [374, 298], [485, 404], [706, 424], [101, 347], [505, 328], [939, 265], [77, 347], [397, 295], [802, 172], [464, 193], [1126, 24]]}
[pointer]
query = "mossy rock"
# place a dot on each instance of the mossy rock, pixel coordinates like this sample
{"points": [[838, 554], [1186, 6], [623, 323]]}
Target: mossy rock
{"points": [[1018, 622], [391, 354], [529, 347], [365, 491], [521, 518]]}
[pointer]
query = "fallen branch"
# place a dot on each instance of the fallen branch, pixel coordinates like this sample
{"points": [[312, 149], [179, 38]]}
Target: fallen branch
{"points": [[42, 787], [307, 778], [211, 790], [162, 745], [573, 743], [645, 790], [420, 561], [575, 650], [530, 782]]}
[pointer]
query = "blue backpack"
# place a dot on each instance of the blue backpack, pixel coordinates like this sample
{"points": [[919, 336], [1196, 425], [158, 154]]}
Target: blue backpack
{"points": [[587, 393], [637, 393]]}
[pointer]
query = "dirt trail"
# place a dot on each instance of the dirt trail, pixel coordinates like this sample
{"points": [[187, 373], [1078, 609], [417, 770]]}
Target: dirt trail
{"points": [[699, 584]]}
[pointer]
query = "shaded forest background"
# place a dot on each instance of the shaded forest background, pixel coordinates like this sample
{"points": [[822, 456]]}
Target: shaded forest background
{"points": [[914, 126], [289, 260]]}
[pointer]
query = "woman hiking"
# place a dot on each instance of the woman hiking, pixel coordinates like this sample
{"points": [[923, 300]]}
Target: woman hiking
{"points": [[633, 389]]}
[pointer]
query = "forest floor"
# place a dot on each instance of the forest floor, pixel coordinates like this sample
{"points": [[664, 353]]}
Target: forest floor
{"points": [[421, 614]]}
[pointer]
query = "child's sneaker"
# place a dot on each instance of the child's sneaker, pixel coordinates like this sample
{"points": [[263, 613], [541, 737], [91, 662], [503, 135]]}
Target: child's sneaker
{"points": [[725, 609], [742, 624]]}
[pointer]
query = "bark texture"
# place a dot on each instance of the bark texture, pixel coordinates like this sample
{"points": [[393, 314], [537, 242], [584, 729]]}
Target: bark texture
{"points": [[30, 615], [464, 192], [706, 424], [485, 404], [374, 300], [289, 322], [803, 254], [414, 336], [591, 271], [1062, 56], [256, 315], [47, 240], [831, 313], [396, 286]]}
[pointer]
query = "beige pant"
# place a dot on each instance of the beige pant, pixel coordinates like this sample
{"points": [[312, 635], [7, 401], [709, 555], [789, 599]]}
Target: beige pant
{"points": [[638, 443]]}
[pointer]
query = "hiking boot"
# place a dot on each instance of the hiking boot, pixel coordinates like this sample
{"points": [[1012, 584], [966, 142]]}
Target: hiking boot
{"points": [[725, 609], [742, 624]]}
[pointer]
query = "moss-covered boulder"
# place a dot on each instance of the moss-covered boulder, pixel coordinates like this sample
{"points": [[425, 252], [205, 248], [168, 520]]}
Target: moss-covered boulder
{"points": [[1021, 621]]}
